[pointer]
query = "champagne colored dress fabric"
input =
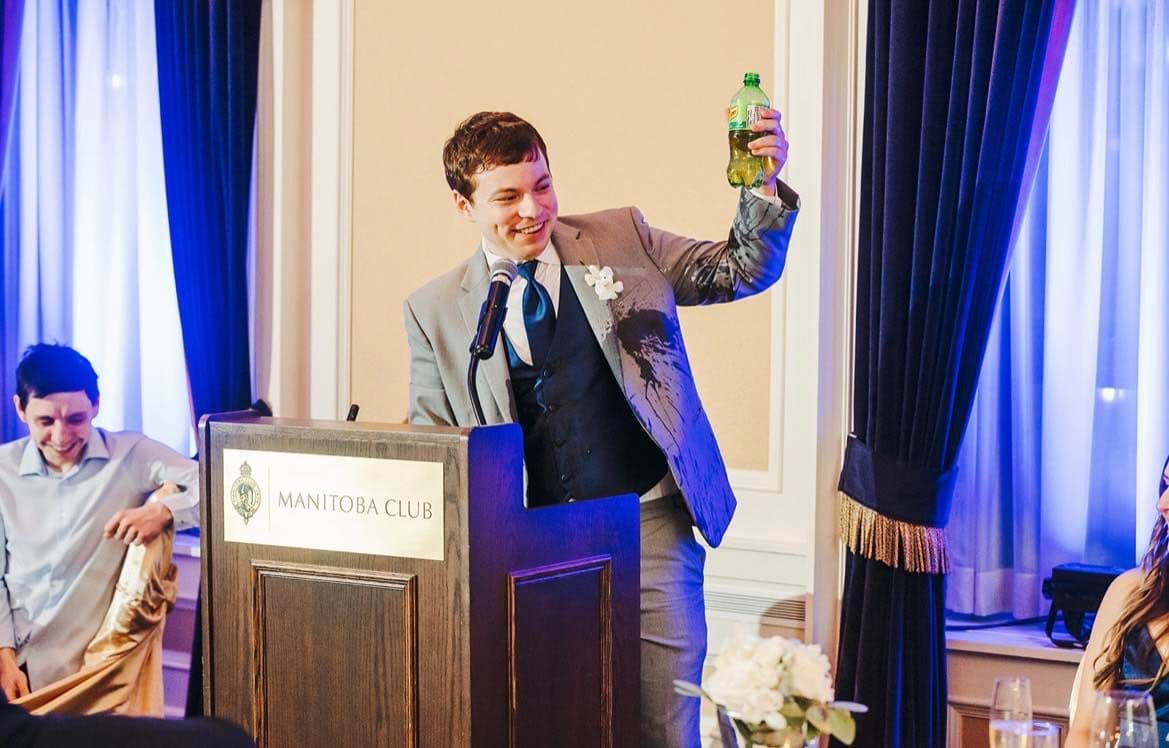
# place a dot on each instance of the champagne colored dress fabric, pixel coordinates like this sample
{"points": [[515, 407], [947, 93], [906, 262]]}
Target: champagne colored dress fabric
{"points": [[122, 671]]}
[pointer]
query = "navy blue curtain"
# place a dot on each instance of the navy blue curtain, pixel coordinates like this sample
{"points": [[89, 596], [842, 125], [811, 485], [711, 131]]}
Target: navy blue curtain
{"points": [[956, 104], [208, 53]]}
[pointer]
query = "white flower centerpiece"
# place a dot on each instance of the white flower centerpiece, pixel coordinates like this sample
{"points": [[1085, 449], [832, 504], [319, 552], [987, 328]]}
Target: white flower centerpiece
{"points": [[777, 691]]}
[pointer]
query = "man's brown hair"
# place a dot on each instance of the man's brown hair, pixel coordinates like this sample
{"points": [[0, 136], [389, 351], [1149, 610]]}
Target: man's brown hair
{"points": [[486, 140]]}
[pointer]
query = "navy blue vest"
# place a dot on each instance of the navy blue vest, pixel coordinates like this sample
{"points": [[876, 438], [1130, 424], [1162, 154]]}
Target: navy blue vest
{"points": [[581, 440]]}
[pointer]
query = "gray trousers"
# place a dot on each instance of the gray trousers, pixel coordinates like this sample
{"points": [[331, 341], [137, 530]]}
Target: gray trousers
{"points": [[673, 623]]}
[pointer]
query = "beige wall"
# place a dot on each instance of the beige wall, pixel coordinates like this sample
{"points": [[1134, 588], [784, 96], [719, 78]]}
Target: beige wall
{"points": [[360, 100], [630, 98]]}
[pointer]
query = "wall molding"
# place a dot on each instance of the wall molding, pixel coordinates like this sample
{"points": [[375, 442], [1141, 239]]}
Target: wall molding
{"points": [[789, 510], [332, 207], [303, 247]]}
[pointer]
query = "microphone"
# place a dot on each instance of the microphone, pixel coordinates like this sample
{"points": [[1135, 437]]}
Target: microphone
{"points": [[494, 308], [491, 316]]}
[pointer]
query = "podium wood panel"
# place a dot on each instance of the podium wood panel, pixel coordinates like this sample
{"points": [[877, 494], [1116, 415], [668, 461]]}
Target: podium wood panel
{"points": [[302, 609], [554, 610], [526, 631]]}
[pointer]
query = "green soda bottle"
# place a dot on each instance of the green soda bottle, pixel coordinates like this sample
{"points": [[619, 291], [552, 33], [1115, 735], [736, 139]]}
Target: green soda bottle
{"points": [[747, 105]]}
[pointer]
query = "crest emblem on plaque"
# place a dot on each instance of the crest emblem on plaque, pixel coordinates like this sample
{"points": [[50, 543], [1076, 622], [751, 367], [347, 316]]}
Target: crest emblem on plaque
{"points": [[245, 493]]}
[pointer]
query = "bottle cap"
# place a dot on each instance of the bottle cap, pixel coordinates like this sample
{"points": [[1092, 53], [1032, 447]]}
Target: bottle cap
{"points": [[751, 79]]}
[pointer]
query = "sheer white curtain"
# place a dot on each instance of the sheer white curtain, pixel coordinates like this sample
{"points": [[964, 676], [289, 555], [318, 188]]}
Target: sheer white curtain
{"points": [[85, 209], [1071, 422]]}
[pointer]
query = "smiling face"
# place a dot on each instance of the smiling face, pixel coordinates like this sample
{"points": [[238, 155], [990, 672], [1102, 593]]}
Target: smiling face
{"points": [[514, 206], [59, 425]]}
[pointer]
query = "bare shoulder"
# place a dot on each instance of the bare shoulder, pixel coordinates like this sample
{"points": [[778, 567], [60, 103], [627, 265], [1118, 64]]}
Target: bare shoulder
{"points": [[1118, 593], [1126, 582], [1108, 616]]}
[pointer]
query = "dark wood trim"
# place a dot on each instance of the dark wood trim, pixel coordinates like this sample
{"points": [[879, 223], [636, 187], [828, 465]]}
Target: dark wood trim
{"points": [[209, 523], [206, 551]]}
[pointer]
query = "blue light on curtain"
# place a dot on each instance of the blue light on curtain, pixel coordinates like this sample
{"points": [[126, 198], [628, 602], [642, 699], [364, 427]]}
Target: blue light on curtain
{"points": [[86, 243], [957, 97], [10, 44], [1071, 421], [208, 59]]}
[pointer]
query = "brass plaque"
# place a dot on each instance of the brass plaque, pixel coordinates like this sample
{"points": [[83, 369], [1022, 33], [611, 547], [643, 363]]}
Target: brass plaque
{"points": [[334, 503]]}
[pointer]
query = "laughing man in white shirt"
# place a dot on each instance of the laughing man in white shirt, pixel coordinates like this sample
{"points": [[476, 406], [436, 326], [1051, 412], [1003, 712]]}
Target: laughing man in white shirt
{"points": [[72, 497]]}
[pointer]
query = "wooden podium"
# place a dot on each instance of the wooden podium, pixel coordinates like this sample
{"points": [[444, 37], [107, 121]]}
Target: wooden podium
{"points": [[522, 632]]}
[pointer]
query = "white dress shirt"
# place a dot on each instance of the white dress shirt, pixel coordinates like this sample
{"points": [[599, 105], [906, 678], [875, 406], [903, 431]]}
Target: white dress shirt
{"points": [[57, 569], [548, 275]]}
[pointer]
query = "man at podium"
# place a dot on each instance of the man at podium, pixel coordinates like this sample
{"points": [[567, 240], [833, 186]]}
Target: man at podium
{"points": [[594, 368]]}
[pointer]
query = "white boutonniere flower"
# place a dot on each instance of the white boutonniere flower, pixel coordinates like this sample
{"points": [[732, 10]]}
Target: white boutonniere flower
{"points": [[601, 279]]}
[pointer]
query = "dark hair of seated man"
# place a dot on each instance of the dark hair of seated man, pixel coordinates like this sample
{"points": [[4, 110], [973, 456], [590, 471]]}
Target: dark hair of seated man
{"points": [[49, 368]]}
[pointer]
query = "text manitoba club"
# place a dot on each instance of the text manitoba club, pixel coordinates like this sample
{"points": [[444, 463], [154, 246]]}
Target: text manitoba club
{"points": [[346, 504]]}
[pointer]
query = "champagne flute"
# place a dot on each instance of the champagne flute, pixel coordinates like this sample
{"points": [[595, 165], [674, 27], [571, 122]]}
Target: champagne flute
{"points": [[1123, 719], [1042, 735], [1010, 712]]}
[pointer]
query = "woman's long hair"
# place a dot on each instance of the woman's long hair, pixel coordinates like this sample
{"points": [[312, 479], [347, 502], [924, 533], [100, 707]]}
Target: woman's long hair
{"points": [[1148, 602]]}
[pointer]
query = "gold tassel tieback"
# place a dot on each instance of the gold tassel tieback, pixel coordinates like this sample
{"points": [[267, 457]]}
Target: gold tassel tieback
{"points": [[901, 545]]}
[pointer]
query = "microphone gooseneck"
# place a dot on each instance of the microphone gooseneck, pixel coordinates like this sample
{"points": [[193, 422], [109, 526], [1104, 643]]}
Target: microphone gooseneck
{"points": [[491, 316]]}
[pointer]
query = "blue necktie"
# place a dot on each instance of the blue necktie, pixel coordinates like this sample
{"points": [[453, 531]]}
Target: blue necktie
{"points": [[539, 314]]}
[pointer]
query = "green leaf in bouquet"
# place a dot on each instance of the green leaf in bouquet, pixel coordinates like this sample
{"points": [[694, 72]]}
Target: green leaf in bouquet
{"points": [[842, 726], [818, 718], [792, 710]]}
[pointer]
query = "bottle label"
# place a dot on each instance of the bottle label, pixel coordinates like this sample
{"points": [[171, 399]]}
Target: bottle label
{"points": [[741, 116]]}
